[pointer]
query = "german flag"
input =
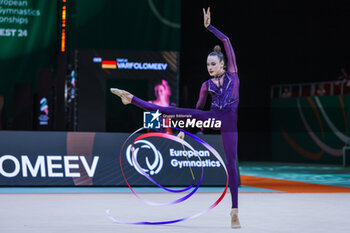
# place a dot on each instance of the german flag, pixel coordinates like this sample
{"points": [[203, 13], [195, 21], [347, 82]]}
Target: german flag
{"points": [[109, 65]]}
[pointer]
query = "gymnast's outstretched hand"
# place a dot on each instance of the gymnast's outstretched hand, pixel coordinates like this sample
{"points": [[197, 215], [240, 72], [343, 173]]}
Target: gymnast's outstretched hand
{"points": [[124, 95], [206, 17]]}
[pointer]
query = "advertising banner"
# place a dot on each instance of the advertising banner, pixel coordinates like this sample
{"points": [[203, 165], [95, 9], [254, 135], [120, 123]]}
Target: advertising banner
{"points": [[93, 159]]}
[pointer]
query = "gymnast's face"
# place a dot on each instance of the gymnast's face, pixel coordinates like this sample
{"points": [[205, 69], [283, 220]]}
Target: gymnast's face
{"points": [[215, 66], [160, 91]]}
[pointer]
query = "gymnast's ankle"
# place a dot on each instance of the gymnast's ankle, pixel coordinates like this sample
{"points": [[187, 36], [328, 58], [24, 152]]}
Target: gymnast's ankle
{"points": [[234, 219]]}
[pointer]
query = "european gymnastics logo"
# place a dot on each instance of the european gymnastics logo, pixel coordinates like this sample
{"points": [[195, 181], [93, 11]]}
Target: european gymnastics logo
{"points": [[151, 169]]}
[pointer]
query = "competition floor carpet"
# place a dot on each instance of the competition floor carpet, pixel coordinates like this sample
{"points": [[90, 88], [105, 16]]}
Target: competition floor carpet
{"points": [[273, 198]]}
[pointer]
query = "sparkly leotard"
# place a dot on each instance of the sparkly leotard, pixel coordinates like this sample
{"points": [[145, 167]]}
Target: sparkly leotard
{"points": [[224, 107]]}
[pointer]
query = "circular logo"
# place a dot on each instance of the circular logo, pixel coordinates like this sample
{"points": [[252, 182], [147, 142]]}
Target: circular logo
{"points": [[151, 169]]}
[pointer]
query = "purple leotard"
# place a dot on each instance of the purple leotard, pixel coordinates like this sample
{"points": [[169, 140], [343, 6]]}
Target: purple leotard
{"points": [[223, 107]]}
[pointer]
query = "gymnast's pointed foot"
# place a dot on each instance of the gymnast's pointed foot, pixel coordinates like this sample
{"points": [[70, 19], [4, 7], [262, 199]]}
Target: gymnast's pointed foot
{"points": [[234, 218], [124, 95]]}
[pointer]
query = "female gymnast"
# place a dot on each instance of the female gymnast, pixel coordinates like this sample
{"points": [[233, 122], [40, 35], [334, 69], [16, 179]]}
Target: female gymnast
{"points": [[223, 88]]}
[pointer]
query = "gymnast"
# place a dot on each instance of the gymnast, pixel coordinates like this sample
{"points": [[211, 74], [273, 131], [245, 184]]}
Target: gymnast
{"points": [[223, 88]]}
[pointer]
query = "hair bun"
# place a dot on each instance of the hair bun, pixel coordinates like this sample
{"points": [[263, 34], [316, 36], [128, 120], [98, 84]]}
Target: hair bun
{"points": [[217, 49]]}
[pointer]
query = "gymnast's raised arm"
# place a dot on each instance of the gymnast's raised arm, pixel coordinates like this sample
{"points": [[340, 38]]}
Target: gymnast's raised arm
{"points": [[202, 96], [231, 58]]}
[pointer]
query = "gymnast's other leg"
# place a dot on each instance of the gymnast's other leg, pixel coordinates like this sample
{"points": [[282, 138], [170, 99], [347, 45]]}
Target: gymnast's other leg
{"points": [[229, 140]]}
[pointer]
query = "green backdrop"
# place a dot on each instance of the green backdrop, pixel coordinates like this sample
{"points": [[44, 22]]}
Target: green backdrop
{"points": [[146, 25], [310, 129], [28, 32]]}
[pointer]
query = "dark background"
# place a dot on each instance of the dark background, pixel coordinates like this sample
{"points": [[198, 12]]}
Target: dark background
{"points": [[275, 41]]}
